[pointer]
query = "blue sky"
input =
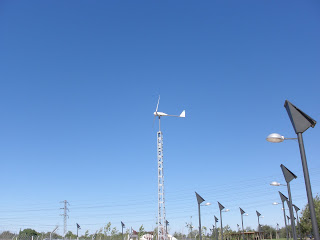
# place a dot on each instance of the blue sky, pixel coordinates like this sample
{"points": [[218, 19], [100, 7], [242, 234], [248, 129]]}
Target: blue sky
{"points": [[79, 85]]}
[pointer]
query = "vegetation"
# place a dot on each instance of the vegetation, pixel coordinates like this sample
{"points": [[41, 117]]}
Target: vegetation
{"points": [[109, 233], [305, 221]]}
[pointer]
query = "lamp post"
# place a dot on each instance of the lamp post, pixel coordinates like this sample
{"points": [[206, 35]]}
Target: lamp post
{"points": [[167, 223], [122, 227], [258, 215], [221, 207], [215, 223], [298, 223], [289, 176], [199, 200], [284, 199], [242, 212], [301, 122], [78, 227]]}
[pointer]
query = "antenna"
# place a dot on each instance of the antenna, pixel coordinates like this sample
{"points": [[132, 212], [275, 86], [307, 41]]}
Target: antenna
{"points": [[162, 233]]}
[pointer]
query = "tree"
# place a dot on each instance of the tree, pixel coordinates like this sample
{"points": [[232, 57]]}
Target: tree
{"points": [[155, 233], [249, 229], [69, 234], [141, 231], [179, 235], [6, 235], [305, 221], [283, 232], [28, 233], [114, 232], [189, 226], [100, 234], [107, 229], [268, 231]]}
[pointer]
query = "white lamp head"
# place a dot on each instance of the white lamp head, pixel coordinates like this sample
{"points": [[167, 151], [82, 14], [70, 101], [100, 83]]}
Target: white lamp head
{"points": [[275, 203], [275, 138], [274, 183]]}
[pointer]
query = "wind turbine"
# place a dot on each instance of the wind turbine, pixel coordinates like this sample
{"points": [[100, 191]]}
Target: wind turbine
{"points": [[162, 234], [162, 114]]}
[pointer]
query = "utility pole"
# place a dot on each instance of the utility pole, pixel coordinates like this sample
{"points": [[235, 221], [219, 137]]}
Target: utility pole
{"points": [[65, 216]]}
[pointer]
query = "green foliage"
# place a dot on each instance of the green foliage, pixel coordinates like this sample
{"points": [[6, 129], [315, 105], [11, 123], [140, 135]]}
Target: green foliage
{"points": [[114, 232], [6, 235], [141, 231], [155, 233], [204, 230], [69, 235], [179, 235], [28, 233], [305, 221], [283, 233], [249, 229], [268, 231], [107, 229]]}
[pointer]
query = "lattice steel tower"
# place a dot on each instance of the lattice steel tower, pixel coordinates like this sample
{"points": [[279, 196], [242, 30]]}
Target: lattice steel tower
{"points": [[161, 200], [162, 233], [65, 216]]}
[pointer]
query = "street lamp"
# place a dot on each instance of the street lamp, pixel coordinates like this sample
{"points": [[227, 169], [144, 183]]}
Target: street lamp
{"points": [[167, 223], [258, 215], [298, 223], [277, 184], [277, 138], [289, 176], [206, 204], [284, 199], [221, 207], [301, 122], [78, 227], [199, 200], [215, 223], [242, 212], [122, 226]]}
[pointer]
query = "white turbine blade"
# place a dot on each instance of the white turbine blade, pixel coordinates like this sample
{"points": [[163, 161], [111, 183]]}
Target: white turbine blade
{"points": [[183, 114], [158, 104]]}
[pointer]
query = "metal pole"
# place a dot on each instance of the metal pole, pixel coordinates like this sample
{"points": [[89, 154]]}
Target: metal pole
{"points": [[122, 231], [298, 223], [216, 229], [221, 224], [293, 226], [199, 222], [285, 220], [242, 226], [308, 188], [259, 229]]}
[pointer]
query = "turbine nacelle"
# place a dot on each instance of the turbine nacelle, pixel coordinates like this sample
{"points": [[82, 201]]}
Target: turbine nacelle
{"points": [[162, 114]]}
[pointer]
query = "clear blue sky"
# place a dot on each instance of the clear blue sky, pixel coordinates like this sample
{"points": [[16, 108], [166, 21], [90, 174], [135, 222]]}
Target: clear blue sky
{"points": [[79, 85]]}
